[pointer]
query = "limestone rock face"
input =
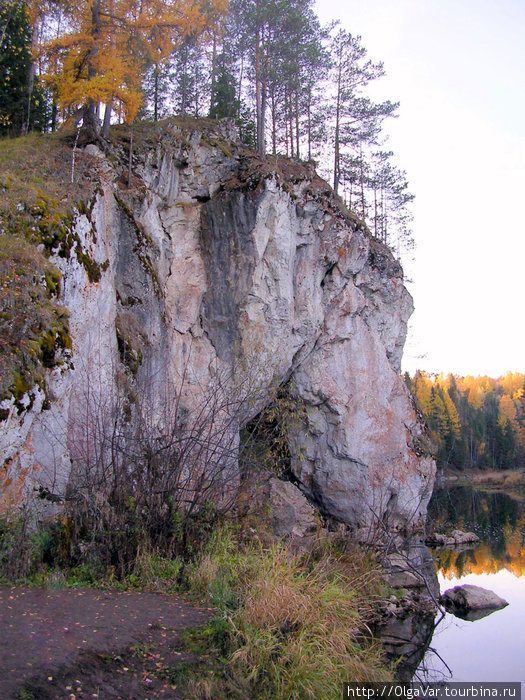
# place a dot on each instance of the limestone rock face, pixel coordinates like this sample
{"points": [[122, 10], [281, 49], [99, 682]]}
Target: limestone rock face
{"points": [[291, 515], [218, 269]]}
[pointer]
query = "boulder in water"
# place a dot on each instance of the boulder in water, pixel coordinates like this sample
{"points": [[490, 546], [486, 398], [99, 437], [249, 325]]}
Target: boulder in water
{"points": [[468, 600], [457, 538]]}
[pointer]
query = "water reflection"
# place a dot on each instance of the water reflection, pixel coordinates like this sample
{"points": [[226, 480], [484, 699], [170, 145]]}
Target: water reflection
{"points": [[406, 636], [497, 518], [406, 642], [488, 649]]}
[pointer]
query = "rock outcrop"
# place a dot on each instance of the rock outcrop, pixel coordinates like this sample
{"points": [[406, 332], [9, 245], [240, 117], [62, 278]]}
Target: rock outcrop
{"points": [[471, 602], [457, 538], [219, 270]]}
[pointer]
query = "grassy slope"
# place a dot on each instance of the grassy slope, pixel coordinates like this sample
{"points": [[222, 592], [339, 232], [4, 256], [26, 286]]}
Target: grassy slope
{"points": [[286, 626], [36, 209]]}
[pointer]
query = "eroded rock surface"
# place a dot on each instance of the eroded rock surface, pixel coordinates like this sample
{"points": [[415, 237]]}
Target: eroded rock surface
{"points": [[218, 270], [290, 513]]}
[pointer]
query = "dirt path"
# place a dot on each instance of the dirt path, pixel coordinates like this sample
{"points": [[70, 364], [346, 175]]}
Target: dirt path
{"points": [[83, 643]]}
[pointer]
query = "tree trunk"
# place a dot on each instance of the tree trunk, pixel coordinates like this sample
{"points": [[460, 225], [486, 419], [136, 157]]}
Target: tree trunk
{"points": [[286, 125], [90, 125], [156, 95], [89, 122], [107, 120], [197, 87], [54, 114], [309, 123], [213, 71], [363, 211], [375, 212], [241, 77], [130, 156], [260, 89], [264, 88], [31, 76], [184, 90], [274, 121], [337, 128], [290, 122], [297, 123]]}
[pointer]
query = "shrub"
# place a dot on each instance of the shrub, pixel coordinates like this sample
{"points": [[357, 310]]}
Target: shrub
{"points": [[27, 548]]}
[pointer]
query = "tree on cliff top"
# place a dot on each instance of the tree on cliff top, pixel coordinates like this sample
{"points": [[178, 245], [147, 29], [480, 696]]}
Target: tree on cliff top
{"points": [[22, 102], [108, 44]]}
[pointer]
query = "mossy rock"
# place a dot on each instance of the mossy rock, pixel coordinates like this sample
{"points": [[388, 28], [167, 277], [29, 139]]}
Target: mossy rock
{"points": [[34, 326]]}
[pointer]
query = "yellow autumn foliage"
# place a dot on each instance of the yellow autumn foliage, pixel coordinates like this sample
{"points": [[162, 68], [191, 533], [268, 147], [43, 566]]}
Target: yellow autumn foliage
{"points": [[102, 55]]}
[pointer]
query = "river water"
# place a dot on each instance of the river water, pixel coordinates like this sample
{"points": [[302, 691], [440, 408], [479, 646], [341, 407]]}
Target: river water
{"points": [[492, 648]]}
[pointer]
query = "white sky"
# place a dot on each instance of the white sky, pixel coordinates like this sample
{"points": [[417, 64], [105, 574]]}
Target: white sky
{"points": [[457, 67]]}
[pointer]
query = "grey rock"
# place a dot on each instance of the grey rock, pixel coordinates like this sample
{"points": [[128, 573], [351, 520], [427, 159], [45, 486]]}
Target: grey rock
{"points": [[93, 150], [412, 568], [404, 579], [467, 600], [237, 287], [461, 537], [291, 515], [457, 538]]}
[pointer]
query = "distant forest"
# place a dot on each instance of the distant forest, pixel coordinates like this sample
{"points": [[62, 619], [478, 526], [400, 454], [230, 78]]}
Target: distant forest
{"points": [[474, 422], [292, 86]]}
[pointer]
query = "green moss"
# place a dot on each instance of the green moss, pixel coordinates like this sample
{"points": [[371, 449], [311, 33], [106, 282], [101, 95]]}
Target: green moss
{"points": [[55, 339], [128, 356], [130, 340], [91, 266], [20, 385], [148, 266], [35, 326], [38, 208], [53, 279], [221, 144], [86, 206], [5, 182]]}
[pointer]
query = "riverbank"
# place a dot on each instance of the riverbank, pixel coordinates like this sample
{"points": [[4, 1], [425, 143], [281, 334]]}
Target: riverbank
{"points": [[279, 624], [507, 479], [86, 643]]}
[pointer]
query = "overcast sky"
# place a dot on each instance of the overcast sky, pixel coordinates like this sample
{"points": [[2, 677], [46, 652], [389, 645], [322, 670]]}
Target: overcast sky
{"points": [[457, 67]]}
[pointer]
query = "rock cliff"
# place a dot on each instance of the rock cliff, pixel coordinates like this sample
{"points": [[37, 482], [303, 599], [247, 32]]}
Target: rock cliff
{"points": [[216, 269]]}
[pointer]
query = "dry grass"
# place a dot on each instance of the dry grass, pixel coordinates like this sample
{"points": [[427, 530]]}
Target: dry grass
{"points": [[297, 627], [39, 165], [501, 478]]}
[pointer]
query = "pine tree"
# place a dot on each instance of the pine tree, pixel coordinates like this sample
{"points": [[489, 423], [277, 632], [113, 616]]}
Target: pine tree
{"points": [[224, 102], [23, 106], [472, 421], [357, 119]]}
